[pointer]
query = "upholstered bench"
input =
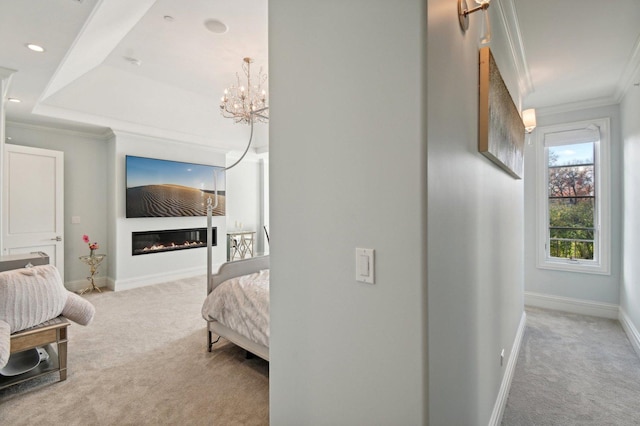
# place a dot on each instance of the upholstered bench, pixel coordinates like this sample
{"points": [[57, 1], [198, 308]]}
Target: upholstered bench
{"points": [[41, 336], [34, 307]]}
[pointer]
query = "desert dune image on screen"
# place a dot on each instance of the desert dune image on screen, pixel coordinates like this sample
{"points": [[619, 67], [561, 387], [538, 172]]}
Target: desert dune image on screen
{"points": [[164, 188]]}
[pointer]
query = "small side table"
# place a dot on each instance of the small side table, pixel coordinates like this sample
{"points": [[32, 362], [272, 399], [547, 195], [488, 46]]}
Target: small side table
{"points": [[93, 262], [240, 244]]}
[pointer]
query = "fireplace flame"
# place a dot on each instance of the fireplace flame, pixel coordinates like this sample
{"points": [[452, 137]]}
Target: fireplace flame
{"points": [[173, 246], [150, 242]]}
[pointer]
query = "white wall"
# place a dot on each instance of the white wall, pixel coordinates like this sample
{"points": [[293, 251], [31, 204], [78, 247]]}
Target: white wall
{"points": [[129, 271], [85, 195], [475, 229], [245, 200], [347, 169], [630, 283], [590, 287]]}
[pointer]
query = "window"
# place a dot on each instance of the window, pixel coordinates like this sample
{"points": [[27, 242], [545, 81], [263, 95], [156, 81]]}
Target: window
{"points": [[573, 197]]}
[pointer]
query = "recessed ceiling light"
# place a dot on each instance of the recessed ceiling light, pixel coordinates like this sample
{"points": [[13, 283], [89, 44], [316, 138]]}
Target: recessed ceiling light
{"points": [[35, 47], [215, 26], [14, 100]]}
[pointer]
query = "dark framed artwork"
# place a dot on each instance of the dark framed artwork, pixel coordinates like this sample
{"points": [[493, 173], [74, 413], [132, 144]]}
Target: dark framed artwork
{"points": [[500, 127]]}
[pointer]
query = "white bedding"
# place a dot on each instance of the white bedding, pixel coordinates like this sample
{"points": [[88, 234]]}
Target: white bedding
{"points": [[242, 304]]}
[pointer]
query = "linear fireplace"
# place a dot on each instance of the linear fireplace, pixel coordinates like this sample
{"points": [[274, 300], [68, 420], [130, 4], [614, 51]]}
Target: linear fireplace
{"points": [[149, 242]]}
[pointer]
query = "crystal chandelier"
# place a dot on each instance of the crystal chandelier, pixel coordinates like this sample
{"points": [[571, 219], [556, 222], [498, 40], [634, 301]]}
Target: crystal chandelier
{"points": [[246, 103]]}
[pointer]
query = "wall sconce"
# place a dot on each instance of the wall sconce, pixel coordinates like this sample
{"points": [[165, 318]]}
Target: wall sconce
{"points": [[463, 17], [529, 120]]}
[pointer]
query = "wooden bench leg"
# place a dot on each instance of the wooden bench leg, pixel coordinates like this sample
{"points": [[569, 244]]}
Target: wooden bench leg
{"points": [[62, 353]]}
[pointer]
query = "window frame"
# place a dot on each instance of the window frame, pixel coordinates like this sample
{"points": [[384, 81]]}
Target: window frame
{"points": [[601, 263]]}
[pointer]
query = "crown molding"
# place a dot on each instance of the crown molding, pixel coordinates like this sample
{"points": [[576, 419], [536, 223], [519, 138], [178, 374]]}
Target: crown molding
{"points": [[630, 73], [103, 134], [250, 157], [121, 132], [576, 106], [262, 150], [509, 17]]}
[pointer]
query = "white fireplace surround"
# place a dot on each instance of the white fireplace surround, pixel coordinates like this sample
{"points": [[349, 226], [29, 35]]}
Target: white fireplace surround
{"points": [[127, 271]]}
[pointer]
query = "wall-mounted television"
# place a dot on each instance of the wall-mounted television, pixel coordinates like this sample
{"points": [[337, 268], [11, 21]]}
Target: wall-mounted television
{"points": [[165, 188]]}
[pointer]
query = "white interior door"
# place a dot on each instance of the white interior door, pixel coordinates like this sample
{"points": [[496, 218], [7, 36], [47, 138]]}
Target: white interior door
{"points": [[33, 202]]}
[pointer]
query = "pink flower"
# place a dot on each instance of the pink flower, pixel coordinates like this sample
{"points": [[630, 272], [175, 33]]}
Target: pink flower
{"points": [[92, 246]]}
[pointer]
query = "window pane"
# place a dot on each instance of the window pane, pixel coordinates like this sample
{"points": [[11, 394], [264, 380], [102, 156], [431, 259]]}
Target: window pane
{"points": [[571, 181], [571, 249], [571, 234], [581, 153], [571, 227], [571, 212]]}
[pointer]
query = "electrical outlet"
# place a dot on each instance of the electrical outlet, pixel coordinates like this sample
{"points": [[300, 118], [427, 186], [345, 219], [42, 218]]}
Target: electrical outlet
{"points": [[502, 357]]}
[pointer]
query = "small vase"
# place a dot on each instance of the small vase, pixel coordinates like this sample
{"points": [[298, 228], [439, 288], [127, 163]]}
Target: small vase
{"points": [[92, 253]]}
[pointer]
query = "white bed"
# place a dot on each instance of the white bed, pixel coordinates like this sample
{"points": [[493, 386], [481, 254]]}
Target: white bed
{"points": [[248, 329]]}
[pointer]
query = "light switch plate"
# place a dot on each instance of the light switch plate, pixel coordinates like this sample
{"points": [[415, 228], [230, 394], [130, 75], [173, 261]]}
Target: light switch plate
{"points": [[365, 266]]}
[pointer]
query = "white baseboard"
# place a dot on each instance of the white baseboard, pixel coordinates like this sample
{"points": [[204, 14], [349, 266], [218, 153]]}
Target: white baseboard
{"points": [[78, 285], [129, 283], [503, 394], [574, 306], [631, 330]]}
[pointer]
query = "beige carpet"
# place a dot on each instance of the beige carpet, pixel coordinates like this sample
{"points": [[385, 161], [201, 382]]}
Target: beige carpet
{"points": [[143, 361]]}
